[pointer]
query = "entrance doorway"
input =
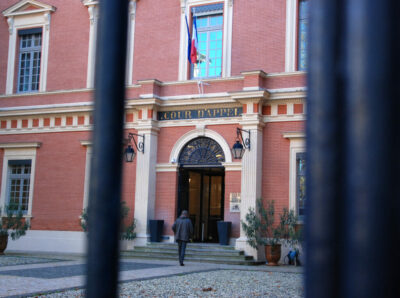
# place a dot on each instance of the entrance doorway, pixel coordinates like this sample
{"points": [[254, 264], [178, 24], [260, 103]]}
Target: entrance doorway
{"points": [[202, 194], [201, 186]]}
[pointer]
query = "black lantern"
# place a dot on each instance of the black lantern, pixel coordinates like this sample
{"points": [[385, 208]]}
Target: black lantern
{"points": [[129, 151], [241, 144], [129, 154]]}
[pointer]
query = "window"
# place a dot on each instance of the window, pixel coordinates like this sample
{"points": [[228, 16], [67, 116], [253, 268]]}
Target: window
{"points": [[300, 184], [209, 31], [297, 172], [214, 20], [30, 52], [302, 35], [296, 35], [30, 47], [19, 177]]}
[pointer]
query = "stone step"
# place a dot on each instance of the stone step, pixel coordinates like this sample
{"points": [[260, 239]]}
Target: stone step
{"points": [[195, 252], [197, 246], [188, 258], [189, 251], [174, 254]]}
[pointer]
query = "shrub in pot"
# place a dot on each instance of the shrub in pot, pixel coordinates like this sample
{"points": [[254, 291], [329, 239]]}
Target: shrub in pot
{"points": [[13, 225], [260, 230], [127, 230]]}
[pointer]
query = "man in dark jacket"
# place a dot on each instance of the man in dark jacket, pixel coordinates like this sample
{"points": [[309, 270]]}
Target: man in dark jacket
{"points": [[183, 230]]}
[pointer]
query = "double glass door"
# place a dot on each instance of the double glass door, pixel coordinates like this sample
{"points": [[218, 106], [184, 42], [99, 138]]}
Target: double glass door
{"points": [[202, 194]]}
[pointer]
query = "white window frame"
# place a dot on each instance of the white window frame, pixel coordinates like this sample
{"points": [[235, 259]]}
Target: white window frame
{"points": [[93, 10], [18, 19], [297, 145], [18, 151], [28, 50], [183, 73], [291, 42]]}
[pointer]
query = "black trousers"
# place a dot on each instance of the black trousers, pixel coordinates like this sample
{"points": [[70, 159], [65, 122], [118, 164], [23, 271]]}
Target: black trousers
{"points": [[181, 250]]}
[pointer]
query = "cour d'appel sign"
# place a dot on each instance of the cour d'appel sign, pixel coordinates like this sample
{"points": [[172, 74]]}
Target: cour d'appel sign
{"points": [[200, 113]]}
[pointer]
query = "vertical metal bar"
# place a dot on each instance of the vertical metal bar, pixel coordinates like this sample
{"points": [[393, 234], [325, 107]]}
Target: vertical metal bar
{"points": [[352, 149], [325, 122], [371, 154], [105, 184]]}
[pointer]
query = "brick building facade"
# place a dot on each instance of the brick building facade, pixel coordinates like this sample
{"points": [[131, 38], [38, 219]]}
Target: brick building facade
{"points": [[250, 75]]}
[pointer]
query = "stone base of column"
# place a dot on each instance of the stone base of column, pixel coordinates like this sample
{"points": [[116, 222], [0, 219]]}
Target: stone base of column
{"points": [[141, 239], [258, 254]]}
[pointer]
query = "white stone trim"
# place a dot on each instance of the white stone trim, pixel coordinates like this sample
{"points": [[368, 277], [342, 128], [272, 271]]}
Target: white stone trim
{"points": [[93, 11], [232, 166], [89, 151], [27, 19], [18, 152], [20, 145], [183, 140], [131, 42], [167, 167], [227, 37], [50, 241], [297, 144], [291, 35]]}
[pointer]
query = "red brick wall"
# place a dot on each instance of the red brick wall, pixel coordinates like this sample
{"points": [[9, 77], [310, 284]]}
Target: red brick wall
{"points": [[232, 184], [260, 24], [166, 199], [157, 31], [68, 47], [59, 179], [167, 137], [276, 149]]}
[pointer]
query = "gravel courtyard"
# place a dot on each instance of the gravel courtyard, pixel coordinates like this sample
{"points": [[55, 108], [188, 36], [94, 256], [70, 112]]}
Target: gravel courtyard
{"points": [[219, 283]]}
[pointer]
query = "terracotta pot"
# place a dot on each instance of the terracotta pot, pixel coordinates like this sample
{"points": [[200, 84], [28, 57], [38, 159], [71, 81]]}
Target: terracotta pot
{"points": [[3, 243], [273, 254]]}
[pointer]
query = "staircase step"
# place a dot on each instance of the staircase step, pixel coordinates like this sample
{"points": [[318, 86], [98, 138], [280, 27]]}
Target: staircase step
{"points": [[195, 252], [174, 254], [194, 259], [190, 251], [206, 246]]}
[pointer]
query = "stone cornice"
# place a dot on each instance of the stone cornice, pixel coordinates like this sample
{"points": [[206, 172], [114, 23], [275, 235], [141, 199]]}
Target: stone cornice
{"points": [[251, 95], [294, 135], [17, 145], [14, 10]]}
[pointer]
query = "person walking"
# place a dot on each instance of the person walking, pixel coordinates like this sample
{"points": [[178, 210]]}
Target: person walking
{"points": [[183, 230]]}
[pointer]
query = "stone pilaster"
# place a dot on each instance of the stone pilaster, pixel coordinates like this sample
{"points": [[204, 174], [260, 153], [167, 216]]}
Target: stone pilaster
{"points": [[145, 192], [251, 187]]}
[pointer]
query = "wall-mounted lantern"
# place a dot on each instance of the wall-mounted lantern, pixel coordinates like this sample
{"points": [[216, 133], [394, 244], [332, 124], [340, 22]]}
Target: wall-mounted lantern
{"points": [[130, 151], [241, 144]]}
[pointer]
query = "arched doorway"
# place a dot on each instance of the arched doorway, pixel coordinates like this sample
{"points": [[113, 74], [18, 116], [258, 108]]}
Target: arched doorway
{"points": [[201, 186]]}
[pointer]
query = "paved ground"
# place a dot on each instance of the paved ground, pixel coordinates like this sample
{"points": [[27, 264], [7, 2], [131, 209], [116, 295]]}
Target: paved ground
{"points": [[24, 275]]}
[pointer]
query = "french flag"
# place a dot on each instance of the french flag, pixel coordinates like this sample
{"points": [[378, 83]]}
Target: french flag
{"points": [[189, 41], [193, 51]]}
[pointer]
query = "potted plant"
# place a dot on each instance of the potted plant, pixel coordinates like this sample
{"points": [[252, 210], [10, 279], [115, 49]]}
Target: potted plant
{"points": [[260, 230], [291, 235], [13, 225], [127, 231]]}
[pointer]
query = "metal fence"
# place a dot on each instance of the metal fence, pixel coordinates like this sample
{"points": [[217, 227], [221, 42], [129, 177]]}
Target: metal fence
{"points": [[352, 149]]}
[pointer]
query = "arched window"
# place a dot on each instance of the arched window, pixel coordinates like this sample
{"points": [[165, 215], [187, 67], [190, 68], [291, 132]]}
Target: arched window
{"points": [[201, 151]]}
